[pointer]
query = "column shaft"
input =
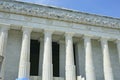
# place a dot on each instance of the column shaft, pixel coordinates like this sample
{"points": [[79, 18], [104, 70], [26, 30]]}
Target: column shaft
{"points": [[47, 73], [89, 67], [118, 48], [3, 43], [70, 67], [108, 75], [3, 39], [24, 66]]}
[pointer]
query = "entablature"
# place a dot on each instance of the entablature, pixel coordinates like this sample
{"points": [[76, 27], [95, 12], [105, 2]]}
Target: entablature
{"points": [[42, 11], [60, 27]]}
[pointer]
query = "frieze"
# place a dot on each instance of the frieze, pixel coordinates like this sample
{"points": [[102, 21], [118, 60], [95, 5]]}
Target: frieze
{"points": [[58, 13]]}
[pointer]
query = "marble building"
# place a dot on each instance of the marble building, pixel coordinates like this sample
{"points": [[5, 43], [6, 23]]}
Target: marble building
{"points": [[39, 42]]}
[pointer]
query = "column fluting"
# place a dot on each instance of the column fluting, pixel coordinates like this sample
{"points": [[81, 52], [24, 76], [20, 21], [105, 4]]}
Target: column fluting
{"points": [[70, 66], [108, 75], [118, 48], [89, 67], [47, 73], [3, 43], [24, 66]]}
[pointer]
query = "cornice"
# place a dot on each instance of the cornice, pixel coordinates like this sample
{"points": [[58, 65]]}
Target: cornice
{"points": [[29, 9]]}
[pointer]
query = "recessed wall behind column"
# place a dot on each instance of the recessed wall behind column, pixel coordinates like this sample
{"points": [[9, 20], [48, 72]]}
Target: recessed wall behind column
{"points": [[12, 55], [114, 60], [80, 58], [97, 59]]}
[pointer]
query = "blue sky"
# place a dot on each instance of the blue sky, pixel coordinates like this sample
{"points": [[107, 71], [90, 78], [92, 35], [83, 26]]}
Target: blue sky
{"points": [[100, 7]]}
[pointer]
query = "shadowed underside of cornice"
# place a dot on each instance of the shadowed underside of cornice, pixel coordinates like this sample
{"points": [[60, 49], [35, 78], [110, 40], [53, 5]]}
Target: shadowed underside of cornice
{"points": [[57, 13]]}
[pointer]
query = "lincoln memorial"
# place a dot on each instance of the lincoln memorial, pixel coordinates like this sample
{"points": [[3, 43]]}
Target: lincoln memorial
{"points": [[40, 42]]}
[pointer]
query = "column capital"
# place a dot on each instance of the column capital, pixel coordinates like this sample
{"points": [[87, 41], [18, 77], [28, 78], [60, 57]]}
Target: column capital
{"points": [[104, 39], [69, 34], [48, 31], [86, 36], [27, 29], [117, 40], [5, 27]]}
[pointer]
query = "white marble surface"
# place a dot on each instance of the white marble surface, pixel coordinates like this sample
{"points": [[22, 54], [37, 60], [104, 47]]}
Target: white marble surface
{"points": [[58, 13]]}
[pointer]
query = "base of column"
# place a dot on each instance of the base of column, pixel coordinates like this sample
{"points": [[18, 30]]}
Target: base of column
{"points": [[22, 79], [90, 73], [70, 72], [47, 73]]}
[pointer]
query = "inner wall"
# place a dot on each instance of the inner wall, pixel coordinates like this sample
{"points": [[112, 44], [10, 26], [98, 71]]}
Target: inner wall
{"points": [[34, 58], [79, 56]]}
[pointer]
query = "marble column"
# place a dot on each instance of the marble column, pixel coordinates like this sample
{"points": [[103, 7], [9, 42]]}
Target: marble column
{"points": [[70, 66], [118, 48], [47, 73], [3, 43], [108, 75], [41, 56], [62, 58], [24, 66], [89, 67]]}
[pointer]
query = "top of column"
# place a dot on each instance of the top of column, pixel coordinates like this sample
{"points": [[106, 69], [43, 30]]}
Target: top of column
{"points": [[27, 29], [5, 27], [117, 40], [69, 34], [105, 38], [48, 31], [88, 36]]}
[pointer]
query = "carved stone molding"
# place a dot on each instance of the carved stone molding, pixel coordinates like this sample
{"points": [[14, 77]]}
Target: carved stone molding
{"points": [[58, 13]]}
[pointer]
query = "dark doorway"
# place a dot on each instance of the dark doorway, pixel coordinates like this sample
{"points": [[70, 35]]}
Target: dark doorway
{"points": [[55, 59], [74, 53], [34, 57]]}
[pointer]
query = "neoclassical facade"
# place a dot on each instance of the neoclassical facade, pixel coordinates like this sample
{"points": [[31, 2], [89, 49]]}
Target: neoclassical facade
{"points": [[40, 42]]}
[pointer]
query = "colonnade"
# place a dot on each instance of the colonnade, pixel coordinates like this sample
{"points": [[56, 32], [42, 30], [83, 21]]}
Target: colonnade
{"points": [[70, 70]]}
